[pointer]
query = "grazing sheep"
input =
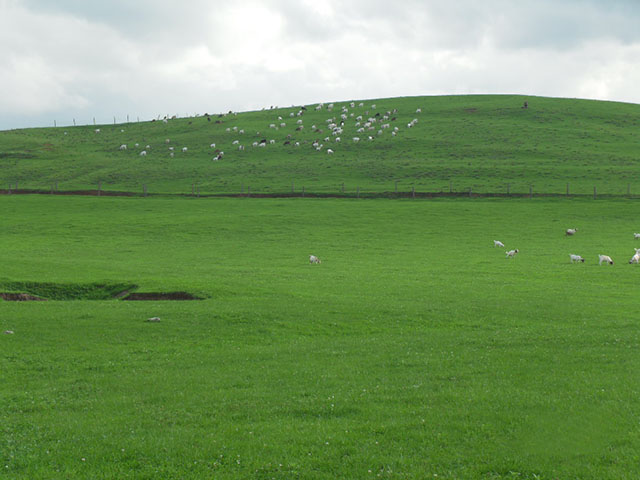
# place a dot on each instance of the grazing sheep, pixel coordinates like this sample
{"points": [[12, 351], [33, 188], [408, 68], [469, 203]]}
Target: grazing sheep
{"points": [[213, 145], [356, 139], [636, 236], [498, 243], [97, 130], [636, 256], [576, 258], [329, 151], [314, 259], [143, 153], [123, 147], [604, 258], [571, 231], [184, 149], [512, 253]]}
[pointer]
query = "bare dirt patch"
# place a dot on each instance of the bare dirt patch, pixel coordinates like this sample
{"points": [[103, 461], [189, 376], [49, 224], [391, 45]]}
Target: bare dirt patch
{"points": [[20, 297], [161, 296]]}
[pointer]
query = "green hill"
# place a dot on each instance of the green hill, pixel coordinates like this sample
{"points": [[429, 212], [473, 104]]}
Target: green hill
{"points": [[482, 142]]}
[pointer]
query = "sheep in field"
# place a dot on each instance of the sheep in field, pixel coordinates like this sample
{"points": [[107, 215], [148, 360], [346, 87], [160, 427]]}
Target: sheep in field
{"points": [[636, 256], [512, 253], [498, 243], [314, 259], [576, 258], [604, 258], [636, 236], [571, 231]]}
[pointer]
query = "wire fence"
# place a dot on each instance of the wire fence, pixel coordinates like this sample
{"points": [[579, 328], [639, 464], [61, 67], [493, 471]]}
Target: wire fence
{"points": [[341, 190]]}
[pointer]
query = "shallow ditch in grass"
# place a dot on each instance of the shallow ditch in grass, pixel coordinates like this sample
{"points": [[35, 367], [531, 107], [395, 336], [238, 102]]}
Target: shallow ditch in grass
{"points": [[42, 291]]}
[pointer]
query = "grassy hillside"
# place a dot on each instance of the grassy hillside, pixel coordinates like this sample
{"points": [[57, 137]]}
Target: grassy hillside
{"points": [[415, 350], [480, 142]]}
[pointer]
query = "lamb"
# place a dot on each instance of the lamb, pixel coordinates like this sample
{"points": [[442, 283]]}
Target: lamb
{"points": [[636, 236], [329, 151], [604, 258], [571, 231], [512, 253], [123, 147], [184, 149], [498, 243], [213, 145], [636, 256], [576, 258], [143, 153], [314, 259]]}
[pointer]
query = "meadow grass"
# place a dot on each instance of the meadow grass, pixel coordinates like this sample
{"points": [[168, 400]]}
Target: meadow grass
{"points": [[415, 350], [486, 143]]}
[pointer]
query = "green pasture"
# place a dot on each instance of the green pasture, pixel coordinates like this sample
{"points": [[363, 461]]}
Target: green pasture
{"points": [[486, 143], [415, 350]]}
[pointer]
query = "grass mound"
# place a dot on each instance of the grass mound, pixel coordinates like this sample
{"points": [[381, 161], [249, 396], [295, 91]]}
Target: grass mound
{"points": [[62, 291]]}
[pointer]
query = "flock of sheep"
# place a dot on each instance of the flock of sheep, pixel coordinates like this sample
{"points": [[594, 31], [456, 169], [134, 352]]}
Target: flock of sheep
{"points": [[577, 258], [366, 124]]}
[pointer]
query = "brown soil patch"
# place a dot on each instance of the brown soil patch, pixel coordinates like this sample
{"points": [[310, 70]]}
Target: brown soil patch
{"points": [[161, 296], [20, 297]]}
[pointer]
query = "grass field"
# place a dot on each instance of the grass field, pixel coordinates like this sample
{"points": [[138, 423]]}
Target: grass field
{"points": [[415, 350], [477, 142]]}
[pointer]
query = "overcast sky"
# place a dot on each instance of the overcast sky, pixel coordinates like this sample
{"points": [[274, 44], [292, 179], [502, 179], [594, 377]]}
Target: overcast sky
{"points": [[66, 59]]}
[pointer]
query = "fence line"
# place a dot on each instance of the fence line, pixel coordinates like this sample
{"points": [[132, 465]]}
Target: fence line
{"points": [[339, 192]]}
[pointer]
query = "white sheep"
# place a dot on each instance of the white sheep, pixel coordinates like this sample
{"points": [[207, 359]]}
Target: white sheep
{"points": [[314, 259], [576, 258], [512, 253], [636, 236], [123, 147], [356, 139], [213, 145], [184, 149], [329, 151], [143, 153], [571, 231], [498, 243], [604, 258], [636, 256]]}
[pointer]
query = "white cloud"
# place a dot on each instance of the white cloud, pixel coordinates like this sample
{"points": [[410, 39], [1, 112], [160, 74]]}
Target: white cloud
{"points": [[76, 59]]}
